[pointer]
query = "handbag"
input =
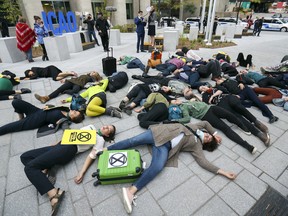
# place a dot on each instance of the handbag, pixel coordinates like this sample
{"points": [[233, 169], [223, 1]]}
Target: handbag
{"points": [[78, 103]]}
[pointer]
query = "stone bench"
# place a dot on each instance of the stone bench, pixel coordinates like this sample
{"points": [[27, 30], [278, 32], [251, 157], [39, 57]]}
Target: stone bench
{"points": [[115, 39], [171, 39], [57, 48], [74, 42], [9, 53]]}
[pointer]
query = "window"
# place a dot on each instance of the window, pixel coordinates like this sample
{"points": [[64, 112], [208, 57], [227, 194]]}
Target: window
{"points": [[96, 7], [56, 6], [129, 9]]}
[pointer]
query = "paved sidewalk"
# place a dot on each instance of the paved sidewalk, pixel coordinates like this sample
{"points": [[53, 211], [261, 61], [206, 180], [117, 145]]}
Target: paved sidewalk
{"points": [[186, 190]]}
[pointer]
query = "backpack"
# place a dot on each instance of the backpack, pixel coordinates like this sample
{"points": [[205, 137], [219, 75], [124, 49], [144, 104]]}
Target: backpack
{"points": [[156, 54], [174, 112], [78, 103], [117, 81]]}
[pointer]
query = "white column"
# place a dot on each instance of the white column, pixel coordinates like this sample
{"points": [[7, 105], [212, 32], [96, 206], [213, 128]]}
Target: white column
{"points": [[202, 16], [212, 23], [208, 20]]}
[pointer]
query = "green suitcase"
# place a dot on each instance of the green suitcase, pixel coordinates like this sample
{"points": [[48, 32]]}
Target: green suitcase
{"points": [[118, 166]]}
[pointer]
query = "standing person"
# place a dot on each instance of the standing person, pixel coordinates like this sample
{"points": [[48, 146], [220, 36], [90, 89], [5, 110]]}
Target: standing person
{"points": [[25, 37], [256, 26], [151, 25], [90, 24], [41, 31], [260, 26], [102, 26], [141, 23], [4, 28], [167, 141]]}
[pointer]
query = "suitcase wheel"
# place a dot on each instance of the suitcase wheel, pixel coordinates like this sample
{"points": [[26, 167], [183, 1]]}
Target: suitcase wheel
{"points": [[99, 153], [95, 173], [96, 183], [138, 169]]}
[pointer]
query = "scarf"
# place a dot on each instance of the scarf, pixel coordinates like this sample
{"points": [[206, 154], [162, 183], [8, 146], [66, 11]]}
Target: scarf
{"points": [[25, 37]]}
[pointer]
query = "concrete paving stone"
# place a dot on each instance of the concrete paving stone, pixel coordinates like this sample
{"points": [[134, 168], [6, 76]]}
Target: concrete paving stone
{"points": [[203, 174], [4, 155], [70, 169], [82, 207], [16, 178], [193, 192], [76, 191], [245, 153], [146, 205], [98, 194], [48, 140], [236, 198], [226, 151], [26, 204], [274, 184], [186, 158], [283, 179], [112, 206], [227, 164], [5, 140], [2, 193], [168, 179], [215, 206], [248, 166], [66, 208], [251, 184], [20, 142], [272, 161], [217, 182], [281, 143], [45, 209]]}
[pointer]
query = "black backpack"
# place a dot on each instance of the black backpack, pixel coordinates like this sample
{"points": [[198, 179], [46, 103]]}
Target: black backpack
{"points": [[117, 81]]}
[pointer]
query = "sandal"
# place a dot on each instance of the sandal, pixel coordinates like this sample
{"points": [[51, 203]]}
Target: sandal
{"points": [[56, 205]]}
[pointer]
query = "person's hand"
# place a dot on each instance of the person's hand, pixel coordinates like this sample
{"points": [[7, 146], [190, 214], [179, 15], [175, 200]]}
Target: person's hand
{"points": [[62, 81], [137, 110], [176, 71], [241, 86], [218, 138], [230, 175], [63, 101], [79, 178]]}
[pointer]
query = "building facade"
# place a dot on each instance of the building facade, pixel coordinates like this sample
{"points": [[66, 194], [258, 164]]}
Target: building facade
{"points": [[126, 9]]}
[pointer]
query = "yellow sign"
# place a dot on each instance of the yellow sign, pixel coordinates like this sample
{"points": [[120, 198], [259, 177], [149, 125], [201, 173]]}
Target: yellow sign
{"points": [[78, 137]]}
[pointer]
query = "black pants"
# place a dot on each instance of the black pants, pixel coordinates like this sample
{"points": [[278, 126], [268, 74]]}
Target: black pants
{"points": [[44, 50], [158, 113], [270, 81], [4, 94], [234, 105], [44, 158], [67, 87], [137, 94], [105, 41], [213, 67], [244, 62], [214, 115], [140, 41]]}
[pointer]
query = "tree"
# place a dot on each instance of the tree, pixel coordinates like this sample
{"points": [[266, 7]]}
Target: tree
{"points": [[10, 10]]}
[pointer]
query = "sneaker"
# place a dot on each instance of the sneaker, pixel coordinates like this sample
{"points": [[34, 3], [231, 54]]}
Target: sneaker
{"points": [[261, 126], [127, 111], [122, 104], [246, 131], [116, 113], [25, 90], [283, 92], [147, 68], [136, 77], [127, 200], [273, 119], [265, 138], [145, 75], [254, 150]]}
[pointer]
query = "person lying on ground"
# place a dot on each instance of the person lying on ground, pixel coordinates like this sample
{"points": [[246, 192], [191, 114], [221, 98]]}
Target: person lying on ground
{"points": [[132, 62]]}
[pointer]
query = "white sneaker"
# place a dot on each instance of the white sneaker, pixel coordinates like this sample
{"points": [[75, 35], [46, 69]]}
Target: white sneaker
{"points": [[254, 150]]}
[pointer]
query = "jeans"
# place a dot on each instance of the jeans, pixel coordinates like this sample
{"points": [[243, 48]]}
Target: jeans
{"points": [[193, 80], [140, 41], [137, 94], [166, 68], [159, 155], [136, 63], [37, 160], [29, 54], [249, 94], [94, 36]]}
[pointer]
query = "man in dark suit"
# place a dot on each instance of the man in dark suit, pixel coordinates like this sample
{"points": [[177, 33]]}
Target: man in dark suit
{"points": [[102, 27], [141, 23]]}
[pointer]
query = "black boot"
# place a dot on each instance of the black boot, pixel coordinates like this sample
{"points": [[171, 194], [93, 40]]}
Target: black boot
{"points": [[43, 58]]}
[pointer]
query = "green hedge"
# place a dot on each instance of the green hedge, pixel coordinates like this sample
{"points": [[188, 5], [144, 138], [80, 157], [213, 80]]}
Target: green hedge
{"points": [[125, 28]]}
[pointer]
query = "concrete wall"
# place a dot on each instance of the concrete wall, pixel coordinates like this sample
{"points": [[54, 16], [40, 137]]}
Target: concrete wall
{"points": [[29, 10], [82, 6], [119, 17]]}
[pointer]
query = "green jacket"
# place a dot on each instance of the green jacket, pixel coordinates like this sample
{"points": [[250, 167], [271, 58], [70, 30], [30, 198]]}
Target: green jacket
{"points": [[126, 60], [153, 99], [195, 109]]}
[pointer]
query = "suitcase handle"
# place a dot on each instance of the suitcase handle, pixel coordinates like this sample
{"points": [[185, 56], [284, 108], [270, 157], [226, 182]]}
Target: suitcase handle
{"points": [[110, 48]]}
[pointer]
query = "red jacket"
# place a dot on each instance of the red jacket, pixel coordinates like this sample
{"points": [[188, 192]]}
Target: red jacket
{"points": [[25, 36]]}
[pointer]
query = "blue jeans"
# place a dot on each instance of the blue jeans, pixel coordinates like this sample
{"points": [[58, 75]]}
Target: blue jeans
{"points": [[140, 41], [159, 156], [94, 36], [166, 68], [136, 63], [193, 80], [248, 94], [29, 54]]}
